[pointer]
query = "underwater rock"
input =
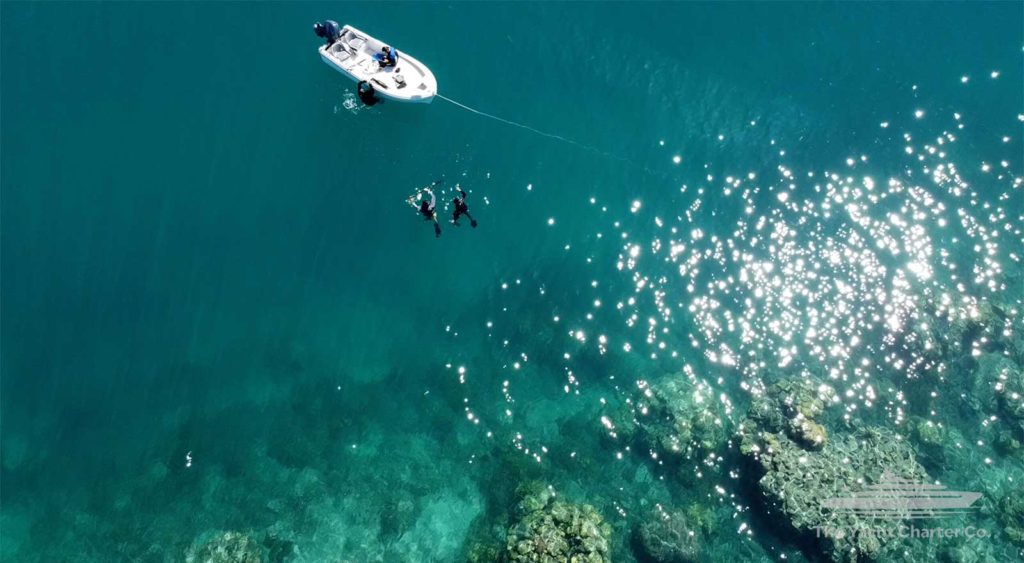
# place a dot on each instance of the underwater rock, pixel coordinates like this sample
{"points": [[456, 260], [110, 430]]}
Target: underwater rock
{"points": [[952, 327], [949, 332], [796, 482], [1011, 394], [624, 424], [810, 434], [1007, 444], [483, 552], [677, 417], [793, 406], [396, 517], [967, 553], [533, 496], [999, 388], [967, 325], [226, 547], [668, 537], [930, 439], [485, 538], [554, 531], [926, 432], [801, 397], [1011, 517]]}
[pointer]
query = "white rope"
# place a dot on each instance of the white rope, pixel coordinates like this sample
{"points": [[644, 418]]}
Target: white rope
{"points": [[520, 125]]}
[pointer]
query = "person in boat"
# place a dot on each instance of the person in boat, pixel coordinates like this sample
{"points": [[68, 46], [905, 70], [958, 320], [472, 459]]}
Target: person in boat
{"points": [[387, 57], [367, 94], [428, 209], [461, 209], [329, 30]]}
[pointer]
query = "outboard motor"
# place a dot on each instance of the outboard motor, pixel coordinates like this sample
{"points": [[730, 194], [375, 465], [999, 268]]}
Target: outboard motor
{"points": [[328, 29]]}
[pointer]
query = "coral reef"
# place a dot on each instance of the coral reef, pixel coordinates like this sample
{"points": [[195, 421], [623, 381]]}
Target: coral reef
{"points": [[956, 327], [930, 439], [226, 547], [809, 433], [396, 517], [669, 537], [999, 389], [792, 406], [796, 481], [1010, 387], [483, 552], [676, 417], [1011, 517], [966, 553], [532, 496], [551, 530]]}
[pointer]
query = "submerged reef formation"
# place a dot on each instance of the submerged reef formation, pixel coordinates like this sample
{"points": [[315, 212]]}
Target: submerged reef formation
{"points": [[226, 547], [999, 388], [948, 328], [797, 481], [676, 418], [670, 537], [1010, 516], [551, 530], [978, 344], [800, 470], [932, 440], [793, 407]]}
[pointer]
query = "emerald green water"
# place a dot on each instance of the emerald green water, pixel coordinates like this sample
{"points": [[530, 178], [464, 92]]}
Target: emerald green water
{"points": [[218, 313]]}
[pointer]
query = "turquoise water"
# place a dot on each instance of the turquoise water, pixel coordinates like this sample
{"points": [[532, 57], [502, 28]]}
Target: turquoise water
{"points": [[219, 313]]}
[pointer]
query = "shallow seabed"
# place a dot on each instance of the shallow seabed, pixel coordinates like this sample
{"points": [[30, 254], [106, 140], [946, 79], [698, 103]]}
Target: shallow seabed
{"points": [[785, 236]]}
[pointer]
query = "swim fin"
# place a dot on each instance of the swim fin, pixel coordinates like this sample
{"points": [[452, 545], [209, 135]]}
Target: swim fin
{"points": [[472, 223], [437, 230]]}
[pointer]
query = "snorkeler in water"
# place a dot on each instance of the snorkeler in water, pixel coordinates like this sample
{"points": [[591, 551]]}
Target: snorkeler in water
{"points": [[428, 209], [461, 209], [367, 94]]}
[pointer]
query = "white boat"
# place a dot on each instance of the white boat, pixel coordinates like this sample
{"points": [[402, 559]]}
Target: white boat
{"points": [[353, 54]]}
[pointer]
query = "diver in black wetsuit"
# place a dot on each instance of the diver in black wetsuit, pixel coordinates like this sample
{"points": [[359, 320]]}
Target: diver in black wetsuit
{"points": [[428, 209], [367, 94], [461, 209]]}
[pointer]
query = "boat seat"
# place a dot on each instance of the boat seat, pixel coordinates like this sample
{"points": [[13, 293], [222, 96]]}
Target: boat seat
{"points": [[356, 43]]}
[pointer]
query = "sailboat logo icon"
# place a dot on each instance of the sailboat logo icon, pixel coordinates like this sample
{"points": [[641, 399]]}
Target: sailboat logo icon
{"points": [[896, 498]]}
